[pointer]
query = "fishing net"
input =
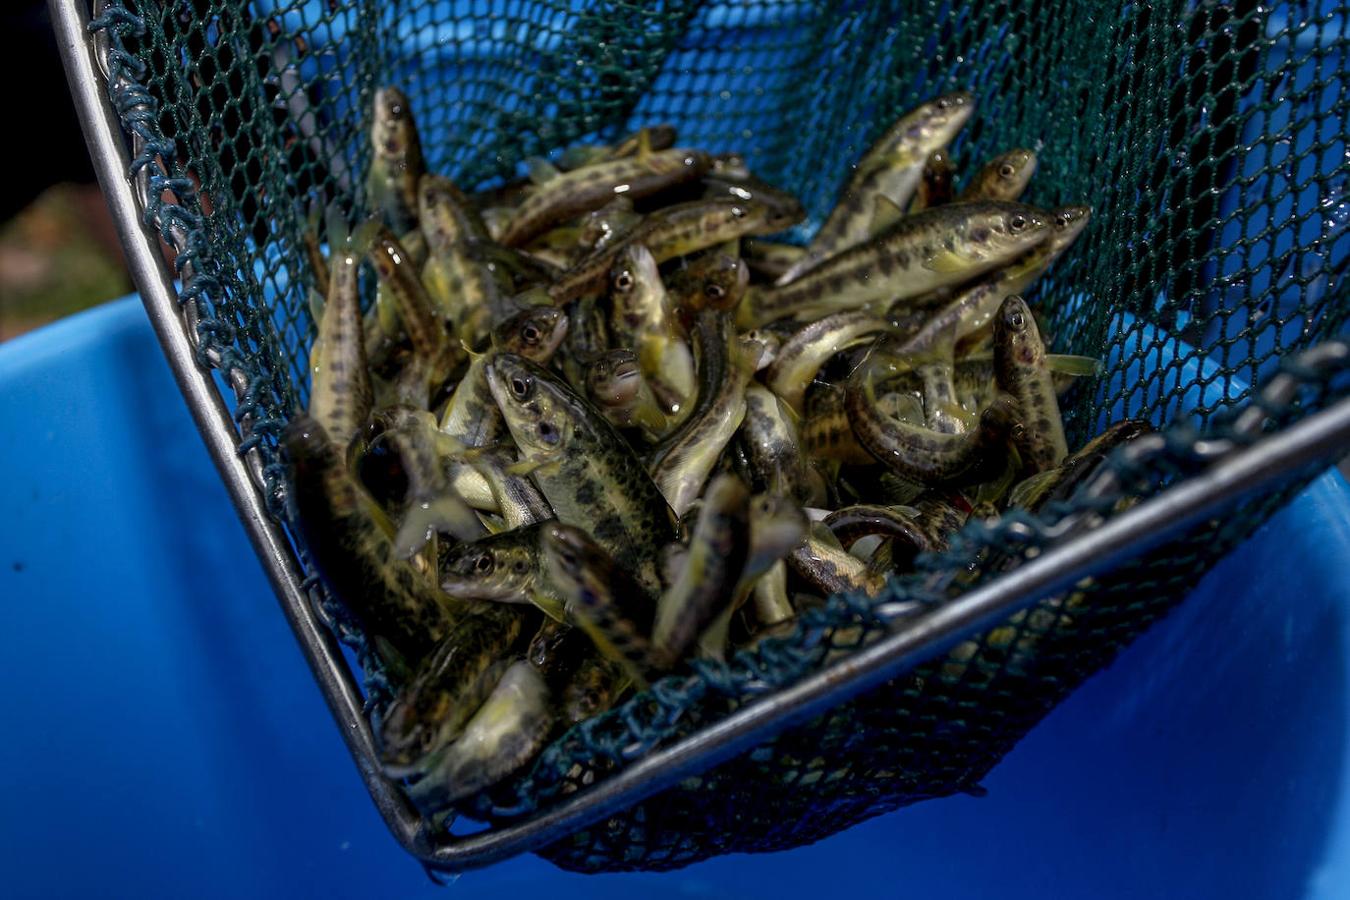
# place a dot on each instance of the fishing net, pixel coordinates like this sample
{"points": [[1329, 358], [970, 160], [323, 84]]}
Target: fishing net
{"points": [[1209, 139]]}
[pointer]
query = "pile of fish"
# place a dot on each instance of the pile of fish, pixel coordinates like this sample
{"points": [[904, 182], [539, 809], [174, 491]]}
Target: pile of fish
{"points": [[594, 424]]}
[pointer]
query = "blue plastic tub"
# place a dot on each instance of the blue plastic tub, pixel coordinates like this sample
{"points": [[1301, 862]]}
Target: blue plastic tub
{"points": [[164, 738]]}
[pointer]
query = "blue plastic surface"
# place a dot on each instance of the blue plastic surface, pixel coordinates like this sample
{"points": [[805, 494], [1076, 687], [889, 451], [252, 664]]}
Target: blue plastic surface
{"points": [[162, 736]]}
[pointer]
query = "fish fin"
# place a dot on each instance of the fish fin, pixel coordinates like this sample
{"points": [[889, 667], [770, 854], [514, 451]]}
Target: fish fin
{"points": [[386, 312], [958, 412], [820, 532], [906, 408], [336, 225], [1068, 364], [316, 305], [549, 605], [1028, 487], [540, 170], [946, 262], [885, 213], [547, 466], [644, 145]]}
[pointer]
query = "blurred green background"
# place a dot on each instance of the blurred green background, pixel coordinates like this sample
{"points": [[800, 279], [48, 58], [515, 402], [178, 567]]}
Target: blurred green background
{"points": [[59, 252]]}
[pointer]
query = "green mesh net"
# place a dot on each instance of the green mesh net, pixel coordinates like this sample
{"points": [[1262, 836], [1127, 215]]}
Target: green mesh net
{"points": [[1209, 138]]}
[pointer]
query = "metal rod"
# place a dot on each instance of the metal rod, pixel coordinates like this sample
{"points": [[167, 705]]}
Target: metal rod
{"points": [[1125, 536], [154, 281]]}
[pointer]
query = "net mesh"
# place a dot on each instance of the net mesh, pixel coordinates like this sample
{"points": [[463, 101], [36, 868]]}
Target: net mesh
{"points": [[1209, 138]]}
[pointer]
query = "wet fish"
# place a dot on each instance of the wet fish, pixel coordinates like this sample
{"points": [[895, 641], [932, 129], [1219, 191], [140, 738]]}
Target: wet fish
{"points": [[891, 169], [674, 231], [714, 280], [802, 356], [973, 309], [643, 321], [614, 383], [936, 248], [682, 462], [341, 395], [591, 187], [773, 450], [1005, 177], [594, 687], [501, 568], [1059, 483], [1022, 372], [828, 567], [505, 733], [936, 186], [396, 160], [447, 689], [711, 570], [916, 452], [472, 416], [514, 496], [352, 546], [586, 470], [591, 584], [433, 356]]}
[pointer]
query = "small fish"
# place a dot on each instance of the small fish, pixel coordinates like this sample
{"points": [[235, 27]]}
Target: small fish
{"points": [[852, 523], [614, 383], [972, 310], [712, 568], [772, 605], [776, 526], [685, 458], [935, 187], [396, 160], [1005, 177], [1021, 371], [648, 139], [892, 168], [433, 356], [770, 259], [502, 568], [591, 584], [642, 320], [914, 451], [828, 567], [936, 248], [505, 733], [712, 281], [472, 416], [587, 337], [773, 450], [1059, 483], [556, 650], [445, 214], [429, 504], [673, 231], [802, 356], [591, 187], [513, 496], [586, 470], [352, 546], [341, 395], [594, 687], [446, 690]]}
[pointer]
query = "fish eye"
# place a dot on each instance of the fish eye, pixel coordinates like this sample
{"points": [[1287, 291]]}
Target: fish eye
{"points": [[738, 212], [520, 387], [520, 567], [1016, 320], [714, 291], [396, 109], [1017, 222], [483, 564], [944, 103], [529, 334], [623, 281], [547, 433], [1007, 170]]}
